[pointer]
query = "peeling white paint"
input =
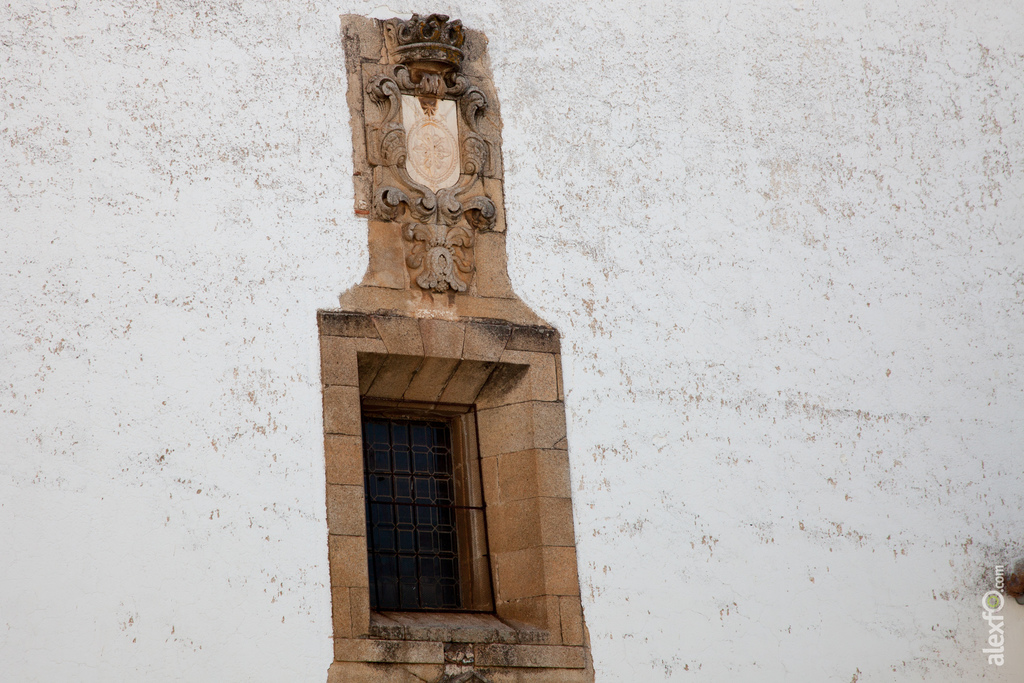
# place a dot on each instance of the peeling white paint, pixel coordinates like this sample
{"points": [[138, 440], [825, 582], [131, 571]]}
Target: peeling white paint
{"points": [[782, 243]]}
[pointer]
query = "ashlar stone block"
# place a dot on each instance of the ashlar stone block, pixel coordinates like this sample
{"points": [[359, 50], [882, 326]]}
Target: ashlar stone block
{"points": [[571, 614], [347, 557], [430, 379], [520, 427], [346, 514], [492, 270], [546, 656], [442, 338], [541, 611], [359, 601], [386, 265], [485, 341], [399, 651], [346, 324], [401, 335], [530, 523], [394, 376], [341, 612], [338, 363], [532, 473], [521, 376], [534, 338], [466, 382], [341, 410], [375, 672], [344, 459]]}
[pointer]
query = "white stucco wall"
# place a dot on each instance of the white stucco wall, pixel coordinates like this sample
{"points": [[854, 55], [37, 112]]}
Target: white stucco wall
{"points": [[782, 242]]}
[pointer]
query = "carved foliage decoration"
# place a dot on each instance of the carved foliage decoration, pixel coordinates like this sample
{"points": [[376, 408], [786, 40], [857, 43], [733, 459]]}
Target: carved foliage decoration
{"points": [[440, 206]]}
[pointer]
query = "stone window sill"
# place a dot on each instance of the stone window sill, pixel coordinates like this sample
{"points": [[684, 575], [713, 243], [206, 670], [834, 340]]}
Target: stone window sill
{"points": [[453, 627], [464, 639]]}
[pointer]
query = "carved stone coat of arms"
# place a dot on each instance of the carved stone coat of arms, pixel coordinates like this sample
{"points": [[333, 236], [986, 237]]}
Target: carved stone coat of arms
{"points": [[429, 152]]}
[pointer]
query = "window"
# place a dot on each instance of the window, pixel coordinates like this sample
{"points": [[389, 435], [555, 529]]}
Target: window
{"points": [[465, 416], [425, 529]]}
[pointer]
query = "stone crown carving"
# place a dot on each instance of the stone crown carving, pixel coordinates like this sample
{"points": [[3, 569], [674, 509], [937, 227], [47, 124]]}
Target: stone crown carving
{"points": [[432, 40]]}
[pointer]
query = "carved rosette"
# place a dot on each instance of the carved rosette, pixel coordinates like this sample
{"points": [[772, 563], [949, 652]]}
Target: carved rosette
{"points": [[430, 154]]}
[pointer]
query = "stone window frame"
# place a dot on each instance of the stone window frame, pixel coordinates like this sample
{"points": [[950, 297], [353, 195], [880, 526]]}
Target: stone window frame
{"points": [[511, 373]]}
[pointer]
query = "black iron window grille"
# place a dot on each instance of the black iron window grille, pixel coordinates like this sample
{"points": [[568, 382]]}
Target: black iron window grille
{"points": [[418, 554]]}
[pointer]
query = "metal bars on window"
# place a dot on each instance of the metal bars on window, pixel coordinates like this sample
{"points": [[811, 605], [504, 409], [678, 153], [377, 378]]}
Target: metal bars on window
{"points": [[411, 515]]}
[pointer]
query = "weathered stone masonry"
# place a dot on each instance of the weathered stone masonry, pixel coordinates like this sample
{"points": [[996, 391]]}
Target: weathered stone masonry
{"points": [[435, 321]]}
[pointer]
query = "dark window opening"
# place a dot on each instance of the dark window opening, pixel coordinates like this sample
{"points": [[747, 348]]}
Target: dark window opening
{"points": [[424, 514]]}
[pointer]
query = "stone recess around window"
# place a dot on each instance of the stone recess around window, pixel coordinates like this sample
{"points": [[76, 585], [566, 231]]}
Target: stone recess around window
{"points": [[434, 334], [512, 373]]}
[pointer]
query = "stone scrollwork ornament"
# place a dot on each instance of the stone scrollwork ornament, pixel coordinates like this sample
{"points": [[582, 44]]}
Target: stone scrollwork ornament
{"points": [[430, 154]]}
